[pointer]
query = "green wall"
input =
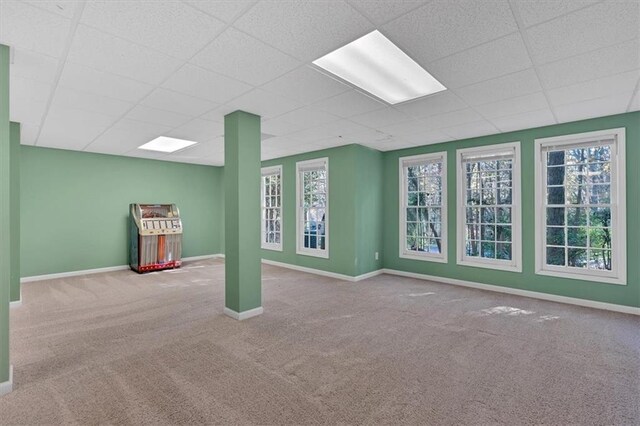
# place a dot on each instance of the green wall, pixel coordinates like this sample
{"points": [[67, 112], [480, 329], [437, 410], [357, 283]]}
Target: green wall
{"points": [[368, 204], [14, 205], [75, 207], [5, 215], [527, 280], [342, 235]]}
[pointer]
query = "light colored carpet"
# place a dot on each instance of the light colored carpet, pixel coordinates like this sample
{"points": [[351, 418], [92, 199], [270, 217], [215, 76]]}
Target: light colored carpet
{"points": [[122, 348]]}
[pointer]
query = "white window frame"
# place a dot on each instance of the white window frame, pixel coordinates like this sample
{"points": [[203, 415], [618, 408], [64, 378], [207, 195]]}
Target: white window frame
{"points": [[515, 264], [618, 274], [405, 162], [269, 171], [318, 163]]}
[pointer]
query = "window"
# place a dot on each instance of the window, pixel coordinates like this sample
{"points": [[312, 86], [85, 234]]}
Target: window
{"points": [[312, 183], [489, 233], [580, 201], [272, 208], [423, 207]]}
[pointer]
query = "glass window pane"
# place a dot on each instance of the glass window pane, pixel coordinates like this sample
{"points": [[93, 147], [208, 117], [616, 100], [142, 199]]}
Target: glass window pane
{"points": [[555, 256], [555, 216], [503, 251], [577, 216], [473, 248], [412, 215], [488, 215], [600, 216], [600, 260], [577, 237], [555, 236], [503, 233], [577, 257], [504, 215], [488, 250], [555, 195], [555, 175], [600, 238], [600, 194], [488, 232]]}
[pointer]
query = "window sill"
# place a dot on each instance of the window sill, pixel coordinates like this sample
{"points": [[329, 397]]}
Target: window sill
{"points": [[423, 257], [320, 253], [583, 277], [490, 265], [272, 248]]}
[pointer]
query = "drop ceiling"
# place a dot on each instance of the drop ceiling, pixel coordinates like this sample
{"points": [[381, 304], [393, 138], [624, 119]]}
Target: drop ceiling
{"points": [[108, 76]]}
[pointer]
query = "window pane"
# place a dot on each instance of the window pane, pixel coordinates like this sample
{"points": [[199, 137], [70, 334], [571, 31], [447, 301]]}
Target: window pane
{"points": [[555, 175], [600, 194], [555, 256], [488, 250], [600, 238], [577, 237], [555, 236], [488, 215], [600, 216], [504, 215], [600, 260], [577, 258], [412, 215], [555, 216], [503, 233], [503, 251], [473, 248], [577, 216], [488, 232], [555, 195]]}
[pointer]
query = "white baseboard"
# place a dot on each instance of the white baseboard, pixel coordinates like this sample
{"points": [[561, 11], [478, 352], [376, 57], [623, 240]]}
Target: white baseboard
{"points": [[6, 387], [321, 272], [243, 315], [102, 270], [16, 303], [518, 292]]}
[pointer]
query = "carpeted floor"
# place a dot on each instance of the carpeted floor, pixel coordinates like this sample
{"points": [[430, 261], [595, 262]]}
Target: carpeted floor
{"points": [[122, 348]]}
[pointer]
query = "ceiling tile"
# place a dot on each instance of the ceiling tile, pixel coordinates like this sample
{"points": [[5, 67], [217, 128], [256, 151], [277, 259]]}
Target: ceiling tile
{"points": [[442, 28], [166, 26], [89, 80], [412, 127], [64, 8], [226, 10], [599, 88], [505, 87], [535, 12], [484, 62], [26, 27], [306, 30], [527, 120], [426, 138], [28, 133], [598, 26], [177, 102], [33, 66], [306, 85], [108, 53], [157, 116], [615, 104], [259, 102], [204, 84], [521, 104], [28, 100], [200, 150], [198, 130], [471, 130], [86, 127], [69, 98], [244, 58], [437, 103], [382, 11], [308, 117], [381, 118], [341, 129], [634, 105], [588, 66], [126, 135], [349, 103], [455, 118]]}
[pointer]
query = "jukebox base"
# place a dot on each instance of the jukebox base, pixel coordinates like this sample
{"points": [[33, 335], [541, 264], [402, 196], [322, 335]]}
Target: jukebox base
{"points": [[156, 267]]}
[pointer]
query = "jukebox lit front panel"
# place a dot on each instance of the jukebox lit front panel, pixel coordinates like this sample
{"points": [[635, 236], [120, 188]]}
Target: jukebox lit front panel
{"points": [[156, 237]]}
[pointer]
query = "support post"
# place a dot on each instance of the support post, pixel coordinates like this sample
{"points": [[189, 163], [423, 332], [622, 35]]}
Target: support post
{"points": [[243, 275]]}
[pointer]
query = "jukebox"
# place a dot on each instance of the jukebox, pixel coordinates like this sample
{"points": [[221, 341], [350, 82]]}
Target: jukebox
{"points": [[156, 237]]}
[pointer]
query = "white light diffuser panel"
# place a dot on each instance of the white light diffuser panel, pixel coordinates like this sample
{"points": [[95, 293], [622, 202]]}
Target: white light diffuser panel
{"points": [[377, 66], [165, 144]]}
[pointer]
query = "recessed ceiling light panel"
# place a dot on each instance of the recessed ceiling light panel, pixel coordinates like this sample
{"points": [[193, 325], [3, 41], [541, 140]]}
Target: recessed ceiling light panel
{"points": [[376, 65], [166, 144]]}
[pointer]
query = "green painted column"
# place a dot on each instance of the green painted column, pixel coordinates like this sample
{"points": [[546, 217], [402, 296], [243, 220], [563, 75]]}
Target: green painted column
{"points": [[5, 224], [14, 205], [243, 275]]}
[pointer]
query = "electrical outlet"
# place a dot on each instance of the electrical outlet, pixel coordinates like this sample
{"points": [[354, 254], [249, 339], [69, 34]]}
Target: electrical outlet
{"points": [[376, 255]]}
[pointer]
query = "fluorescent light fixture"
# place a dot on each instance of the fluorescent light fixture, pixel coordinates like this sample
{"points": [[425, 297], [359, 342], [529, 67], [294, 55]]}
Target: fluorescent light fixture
{"points": [[376, 65], [166, 144]]}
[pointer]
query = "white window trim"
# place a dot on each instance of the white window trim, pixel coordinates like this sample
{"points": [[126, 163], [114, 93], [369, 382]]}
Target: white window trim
{"points": [[515, 265], [402, 219], [300, 249], [618, 212], [267, 171]]}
